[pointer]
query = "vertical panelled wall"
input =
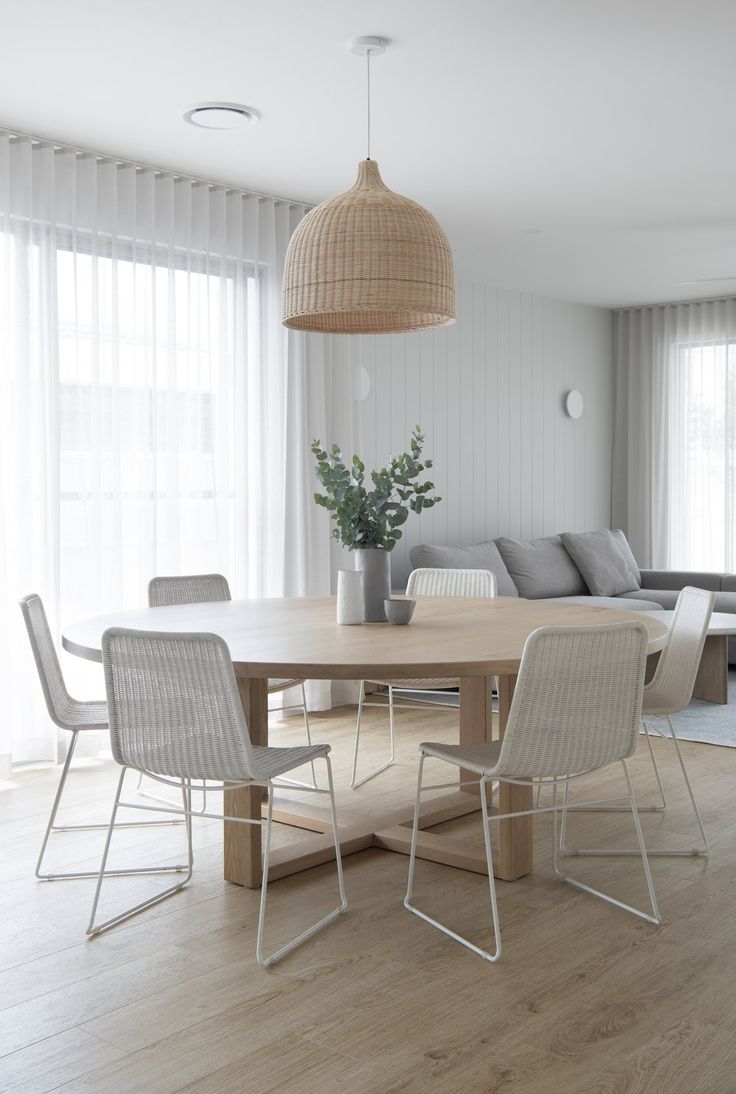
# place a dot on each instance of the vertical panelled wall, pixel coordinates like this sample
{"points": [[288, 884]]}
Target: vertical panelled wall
{"points": [[488, 393]]}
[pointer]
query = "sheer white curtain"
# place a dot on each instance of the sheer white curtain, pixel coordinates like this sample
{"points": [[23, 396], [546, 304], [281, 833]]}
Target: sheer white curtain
{"points": [[675, 437], [154, 413]]}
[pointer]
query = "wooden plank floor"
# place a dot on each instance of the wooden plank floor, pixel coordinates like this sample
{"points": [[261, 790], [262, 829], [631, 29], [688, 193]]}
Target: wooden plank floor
{"points": [[586, 998]]}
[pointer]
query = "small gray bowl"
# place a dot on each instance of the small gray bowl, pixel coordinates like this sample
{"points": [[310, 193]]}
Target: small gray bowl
{"points": [[399, 611]]}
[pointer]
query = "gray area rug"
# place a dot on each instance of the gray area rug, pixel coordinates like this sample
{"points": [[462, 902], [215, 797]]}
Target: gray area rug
{"points": [[709, 723]]}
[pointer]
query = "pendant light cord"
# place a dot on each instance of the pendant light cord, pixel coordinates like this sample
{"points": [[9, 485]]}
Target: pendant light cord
{"points": [[368, 99]]}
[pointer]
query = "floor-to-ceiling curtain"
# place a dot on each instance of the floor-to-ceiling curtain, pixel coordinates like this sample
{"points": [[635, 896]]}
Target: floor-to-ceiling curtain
{"points": [[674, 486], [154, 413]]}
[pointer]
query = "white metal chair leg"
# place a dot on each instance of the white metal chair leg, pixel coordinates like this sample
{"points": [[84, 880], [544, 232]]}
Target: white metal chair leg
{"points": [[684, 852], [492, 957], [296, 782], [690, 791], [662, 800], [356, 782], [52, 815], [642, 808], [654, 916], [310, 931], [51, 827], [160, 798], [97, 928], [309, 731]]}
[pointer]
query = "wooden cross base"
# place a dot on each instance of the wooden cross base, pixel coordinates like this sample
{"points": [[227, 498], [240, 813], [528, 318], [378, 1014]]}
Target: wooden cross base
{"points": [[392, 830], [358, 831]]}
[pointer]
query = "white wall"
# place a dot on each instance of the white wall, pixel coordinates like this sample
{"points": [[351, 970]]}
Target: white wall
{"points": [[488, 394]]}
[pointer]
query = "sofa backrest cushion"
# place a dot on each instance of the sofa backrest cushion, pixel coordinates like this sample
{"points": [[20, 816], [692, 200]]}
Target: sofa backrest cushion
{"points": [[541, 567], [601, 561], [478, 556], [623, 545], [678, 579]]}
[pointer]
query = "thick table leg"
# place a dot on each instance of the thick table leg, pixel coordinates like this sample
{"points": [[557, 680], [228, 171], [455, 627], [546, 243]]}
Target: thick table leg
{"points": [[243, 841], [515, 837], [711, 683], [476, 725]]}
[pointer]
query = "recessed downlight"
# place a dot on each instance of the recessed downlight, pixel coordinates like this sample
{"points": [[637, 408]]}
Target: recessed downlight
{"points": [[221, 115]]}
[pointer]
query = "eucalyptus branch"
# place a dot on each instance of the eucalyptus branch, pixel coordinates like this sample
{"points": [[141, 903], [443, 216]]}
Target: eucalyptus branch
{"points": [[371, 515]]}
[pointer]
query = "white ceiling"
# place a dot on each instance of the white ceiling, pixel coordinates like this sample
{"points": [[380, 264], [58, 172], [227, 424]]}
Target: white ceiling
{"points": [[607, 124]]}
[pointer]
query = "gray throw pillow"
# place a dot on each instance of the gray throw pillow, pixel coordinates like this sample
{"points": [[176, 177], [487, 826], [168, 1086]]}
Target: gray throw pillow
{"points": [[478, 556], [541, 567], [601, 562], [623, 545]]}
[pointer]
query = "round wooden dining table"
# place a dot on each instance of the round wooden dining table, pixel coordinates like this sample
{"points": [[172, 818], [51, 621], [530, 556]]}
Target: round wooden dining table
{"points": [[473, 640]]}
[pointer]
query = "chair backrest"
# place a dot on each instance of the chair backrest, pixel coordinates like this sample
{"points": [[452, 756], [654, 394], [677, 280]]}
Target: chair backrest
{"points": [[577, 703], [436, 581], [174, 705], [187, 589], [58, 700], [671, 687]]}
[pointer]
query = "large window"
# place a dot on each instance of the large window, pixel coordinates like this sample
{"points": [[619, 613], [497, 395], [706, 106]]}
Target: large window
{"points": [[146, 384], [701, 432], [145, 402]]}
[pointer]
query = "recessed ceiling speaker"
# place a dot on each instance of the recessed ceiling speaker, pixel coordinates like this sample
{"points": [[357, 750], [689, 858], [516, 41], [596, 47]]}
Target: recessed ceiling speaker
{"points": [[221, 115]]}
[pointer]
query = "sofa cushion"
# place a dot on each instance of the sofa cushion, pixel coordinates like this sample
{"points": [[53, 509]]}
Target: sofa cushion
{"points": [[667, 598], [663, 598], [623, 545], [541, 567], [478, 556], [621, 602], [600, 560]]}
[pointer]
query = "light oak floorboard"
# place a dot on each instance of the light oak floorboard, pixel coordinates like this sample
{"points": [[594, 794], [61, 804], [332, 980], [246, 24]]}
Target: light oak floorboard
{"points": [[585, 998]]}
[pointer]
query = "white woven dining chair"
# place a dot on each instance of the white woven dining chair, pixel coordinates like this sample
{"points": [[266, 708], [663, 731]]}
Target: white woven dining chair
{"points": [[576, 709], [212, 588], [176, 715], [73, 715], [165, 592], [668, 692], [428, 581]]}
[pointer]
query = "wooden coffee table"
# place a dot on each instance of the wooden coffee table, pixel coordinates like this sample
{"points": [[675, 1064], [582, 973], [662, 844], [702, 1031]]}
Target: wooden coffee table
{"points": [[299, 638]]}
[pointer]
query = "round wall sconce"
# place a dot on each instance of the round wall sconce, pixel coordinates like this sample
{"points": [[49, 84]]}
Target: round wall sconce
{"points": [[574, 404], [361, 383]]}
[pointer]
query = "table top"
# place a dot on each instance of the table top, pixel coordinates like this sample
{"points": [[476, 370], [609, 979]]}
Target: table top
{"points": [[447, 637], [720, 622]]}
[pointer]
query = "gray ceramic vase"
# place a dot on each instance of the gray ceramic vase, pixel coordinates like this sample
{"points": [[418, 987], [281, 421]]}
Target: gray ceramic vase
{"points": [[375, 564]]}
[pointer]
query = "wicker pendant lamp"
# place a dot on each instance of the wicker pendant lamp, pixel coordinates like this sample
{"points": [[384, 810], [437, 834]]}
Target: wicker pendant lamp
{"points": [[369, 261]]}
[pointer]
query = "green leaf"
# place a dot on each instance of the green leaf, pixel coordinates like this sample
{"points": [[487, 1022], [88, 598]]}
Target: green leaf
{"points": [[372, 518]]}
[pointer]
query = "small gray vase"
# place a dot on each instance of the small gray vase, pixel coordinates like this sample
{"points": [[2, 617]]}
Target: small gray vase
{"points": [[375, 564]]}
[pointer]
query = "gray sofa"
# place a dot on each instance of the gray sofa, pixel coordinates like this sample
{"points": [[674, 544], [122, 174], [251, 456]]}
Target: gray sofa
{"points": [[591, 568]]}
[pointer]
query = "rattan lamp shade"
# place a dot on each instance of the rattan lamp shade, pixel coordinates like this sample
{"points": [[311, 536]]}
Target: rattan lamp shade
{"points": [[368, 262]]}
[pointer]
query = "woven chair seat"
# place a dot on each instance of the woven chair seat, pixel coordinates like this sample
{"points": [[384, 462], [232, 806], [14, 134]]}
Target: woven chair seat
{"points": [[478, 758], [269, 762], [281, 685], [275, 761], [418, 685]]}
